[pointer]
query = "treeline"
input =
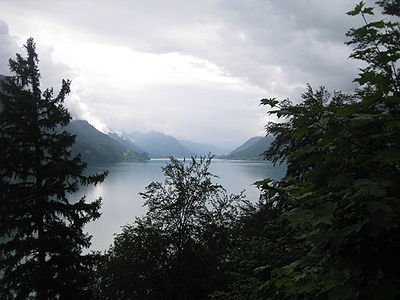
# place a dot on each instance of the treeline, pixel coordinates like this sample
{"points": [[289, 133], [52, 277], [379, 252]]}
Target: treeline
{"points": [[328, 230]]}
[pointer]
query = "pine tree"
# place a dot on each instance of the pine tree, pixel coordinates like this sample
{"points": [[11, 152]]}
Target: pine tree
{"points": [[41, 230]]}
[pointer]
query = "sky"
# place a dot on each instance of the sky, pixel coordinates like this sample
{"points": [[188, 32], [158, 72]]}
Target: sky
{"points": [[194, 69]]}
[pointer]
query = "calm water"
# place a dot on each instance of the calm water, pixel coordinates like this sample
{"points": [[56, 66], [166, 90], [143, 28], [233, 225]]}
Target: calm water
{"points": [[122, 203]]}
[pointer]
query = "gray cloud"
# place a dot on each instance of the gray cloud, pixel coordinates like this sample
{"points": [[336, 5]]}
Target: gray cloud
{"points": [[8, 47], [286, 33], [52, 73], [277, 46]]}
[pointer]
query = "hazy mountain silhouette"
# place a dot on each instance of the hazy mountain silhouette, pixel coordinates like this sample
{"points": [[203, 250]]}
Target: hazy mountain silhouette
{"points": [[252, 149], [126, 142], [159, 145], [97, 147], [203, 148]]}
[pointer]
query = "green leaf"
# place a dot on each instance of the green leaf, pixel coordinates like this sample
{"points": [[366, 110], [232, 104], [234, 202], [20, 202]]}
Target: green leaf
{"points": [[264, 184], [364, 117], [368, 11], [378, 24], [357, 9], [349, 230], [377, 206], [324, 214], [369, 188], [299, 133], [392, 124], [271, 102], [299, 217]]}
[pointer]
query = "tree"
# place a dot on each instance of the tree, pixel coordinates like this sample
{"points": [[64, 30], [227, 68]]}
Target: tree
{"points": [[262, 240], [179, 249], [343, 173], [41, 230], [137, 265]]}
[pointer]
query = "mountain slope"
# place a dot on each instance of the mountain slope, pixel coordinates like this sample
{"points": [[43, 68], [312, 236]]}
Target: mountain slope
{"points": [[96, 147], [203, 148], [159, 145], [127, 143], [249, 143], [252, 149]]}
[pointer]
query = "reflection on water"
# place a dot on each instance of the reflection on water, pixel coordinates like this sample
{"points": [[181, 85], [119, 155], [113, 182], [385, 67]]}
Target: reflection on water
{"points": [[122, 203]]}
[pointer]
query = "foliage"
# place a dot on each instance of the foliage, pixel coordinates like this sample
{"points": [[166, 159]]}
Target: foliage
{"points": [[341, 186], [137, 264], [262, 241], [328, 230], [41, 231], [179, 249]]}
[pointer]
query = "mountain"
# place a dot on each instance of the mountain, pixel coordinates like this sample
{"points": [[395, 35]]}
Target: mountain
{"points": [[127, 143], [159, 145], [97, 147], [249, 143], [252, 149], [203, 148]]}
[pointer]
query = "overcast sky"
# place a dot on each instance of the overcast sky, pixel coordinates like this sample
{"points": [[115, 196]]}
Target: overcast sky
{"points": [[193, 69]]}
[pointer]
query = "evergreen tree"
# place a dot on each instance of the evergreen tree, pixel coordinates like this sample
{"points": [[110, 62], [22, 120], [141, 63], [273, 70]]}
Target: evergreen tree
{"points": [[41, 230]]}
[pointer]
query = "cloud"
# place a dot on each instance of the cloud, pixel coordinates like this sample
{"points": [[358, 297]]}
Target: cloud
{"points": [[244, 37], [188, 67], [52, 73], [8, 47]]}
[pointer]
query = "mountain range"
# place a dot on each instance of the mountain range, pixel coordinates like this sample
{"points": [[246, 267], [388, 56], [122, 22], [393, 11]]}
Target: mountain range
{"points": [[252, 149], [203, 148], [159, 145], [97, 147]]}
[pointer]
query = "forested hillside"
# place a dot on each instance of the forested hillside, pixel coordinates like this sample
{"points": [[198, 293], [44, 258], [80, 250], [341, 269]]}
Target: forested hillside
{"points": [[126, 142], [98, 148]]}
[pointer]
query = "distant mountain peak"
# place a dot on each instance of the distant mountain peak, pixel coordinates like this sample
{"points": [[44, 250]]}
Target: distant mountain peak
{"points": [[203, 148], [158, 144]]}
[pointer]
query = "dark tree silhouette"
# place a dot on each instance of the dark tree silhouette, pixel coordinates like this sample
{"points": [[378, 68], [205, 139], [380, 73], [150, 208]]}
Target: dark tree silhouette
{"points": [[342, 184], [179, 249], [41, 231]]}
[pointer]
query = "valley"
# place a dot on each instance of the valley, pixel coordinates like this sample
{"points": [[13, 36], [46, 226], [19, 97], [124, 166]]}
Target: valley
{"points": [[100, 148]]}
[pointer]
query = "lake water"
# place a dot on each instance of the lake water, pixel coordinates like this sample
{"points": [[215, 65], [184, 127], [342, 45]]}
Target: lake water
{"points": [[122, 203]]}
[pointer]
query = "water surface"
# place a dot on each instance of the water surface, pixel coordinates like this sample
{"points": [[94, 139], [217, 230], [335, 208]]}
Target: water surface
{"points": [[122, 203]]}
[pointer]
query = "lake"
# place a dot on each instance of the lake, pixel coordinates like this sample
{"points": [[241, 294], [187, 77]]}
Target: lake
{"points": [[122, 203]]}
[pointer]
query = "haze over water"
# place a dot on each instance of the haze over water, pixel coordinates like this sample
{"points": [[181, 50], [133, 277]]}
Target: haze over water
{"points": [[122, 202]]}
